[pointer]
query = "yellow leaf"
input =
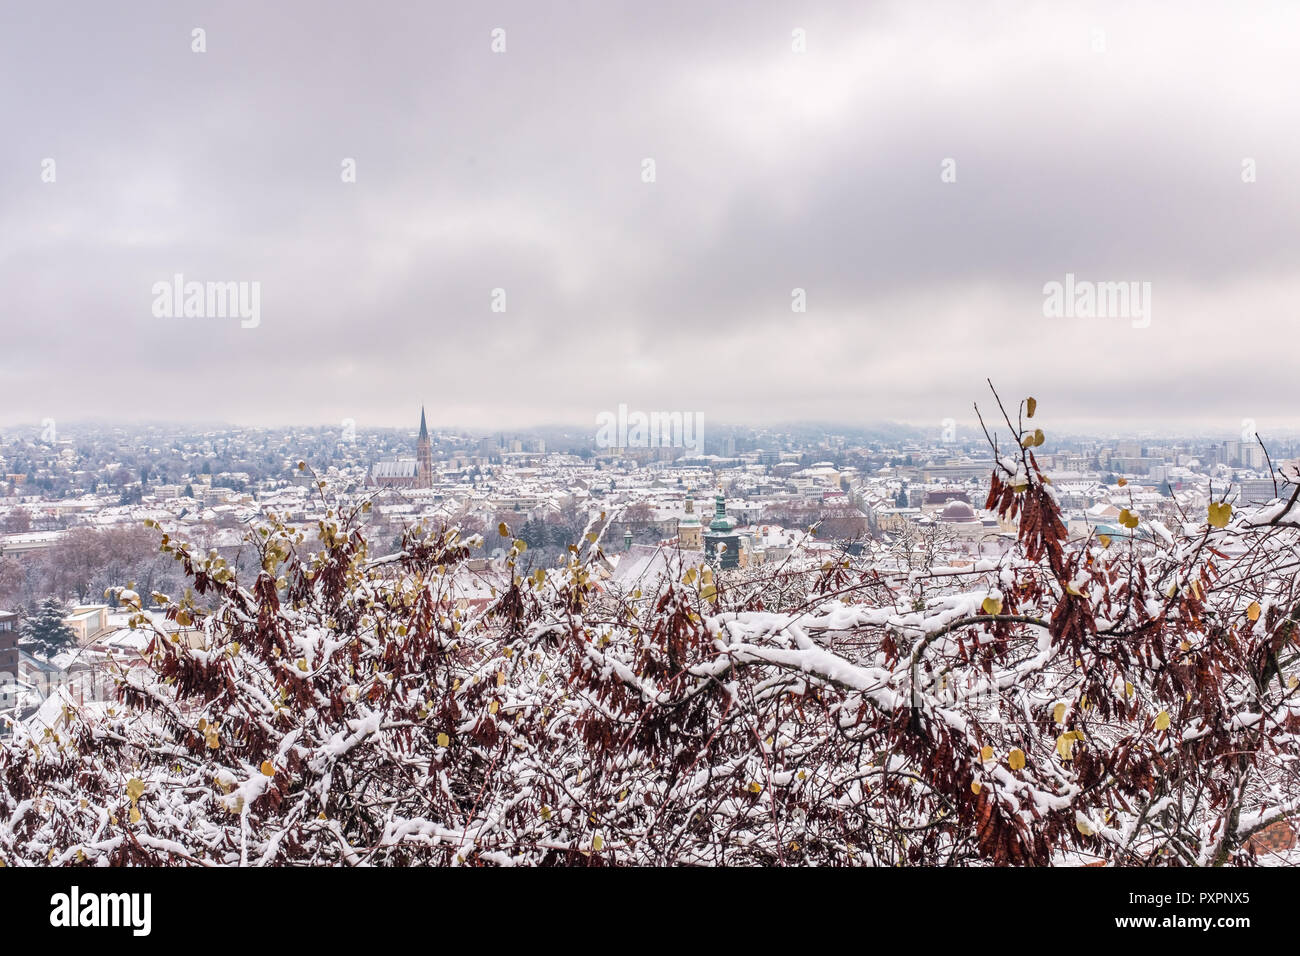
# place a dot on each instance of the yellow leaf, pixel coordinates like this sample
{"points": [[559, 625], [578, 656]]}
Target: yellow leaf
{"points": [[1058, 713], [1128, 689], [443, 740], [1220, 514], [992, 605], [1162, 720], [1082, 824], [986, 753], [1065, 746], [134, 815], [268, 768], [1104, 539], [501, 678], [975, 786], [135, 788], [1122, 482], [1252, 612], [755, 787], [503, 530], [709, 593], [597, 842], [1128, 519], [1016, 759], [1031, 406], [521, 545], [1039, 437], [492, 707]]}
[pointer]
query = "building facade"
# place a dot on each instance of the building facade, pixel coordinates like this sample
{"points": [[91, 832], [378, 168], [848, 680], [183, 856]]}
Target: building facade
{"points": [[721, 543], [690, 533], [9, 643], [414, 472]]}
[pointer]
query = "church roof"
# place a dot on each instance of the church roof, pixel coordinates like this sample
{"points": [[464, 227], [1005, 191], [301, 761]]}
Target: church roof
{"points": [[691, 519], [721, 523], [957, 511], [401, 468]]}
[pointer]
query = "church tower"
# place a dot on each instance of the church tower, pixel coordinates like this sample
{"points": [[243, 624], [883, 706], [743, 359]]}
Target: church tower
{"points": [[689, 531], [721, 543], [423, 456]]}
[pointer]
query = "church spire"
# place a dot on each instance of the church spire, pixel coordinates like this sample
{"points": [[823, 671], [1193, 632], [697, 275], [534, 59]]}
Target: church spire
{"points": [[423, 456]]}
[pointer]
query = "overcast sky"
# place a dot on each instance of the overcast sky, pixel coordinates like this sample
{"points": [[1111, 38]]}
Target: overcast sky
{"points": [[774, 170]]}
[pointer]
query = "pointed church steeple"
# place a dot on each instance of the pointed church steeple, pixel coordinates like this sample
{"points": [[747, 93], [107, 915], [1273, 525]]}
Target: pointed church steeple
{"points": [[423, 456]]}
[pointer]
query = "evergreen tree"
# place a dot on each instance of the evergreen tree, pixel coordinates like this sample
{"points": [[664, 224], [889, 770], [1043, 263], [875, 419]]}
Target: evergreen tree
{"points": [[44, 629]]}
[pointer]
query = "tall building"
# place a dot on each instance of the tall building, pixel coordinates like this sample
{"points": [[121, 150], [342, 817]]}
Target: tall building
{"points": [[414, 472], [721, 543], [689, 530], [424, 456]]}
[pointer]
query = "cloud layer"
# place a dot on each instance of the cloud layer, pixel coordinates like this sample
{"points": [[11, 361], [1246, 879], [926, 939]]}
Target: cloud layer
{"points": [[522, 170]]}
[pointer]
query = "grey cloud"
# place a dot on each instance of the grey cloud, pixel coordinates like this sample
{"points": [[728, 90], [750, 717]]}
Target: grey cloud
{"points": [[522, 171]]}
